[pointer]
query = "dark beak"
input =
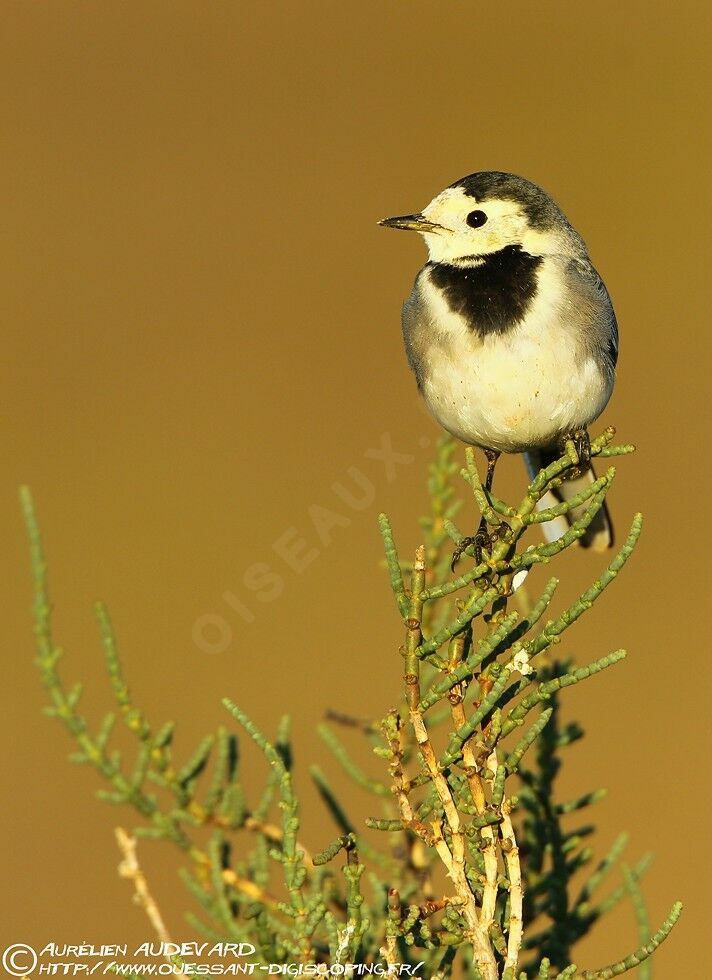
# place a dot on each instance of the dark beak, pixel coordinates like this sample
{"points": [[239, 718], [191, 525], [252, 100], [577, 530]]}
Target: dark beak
{"points": [[410, 222]]}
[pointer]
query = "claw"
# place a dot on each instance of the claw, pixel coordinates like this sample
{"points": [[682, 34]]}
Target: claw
{"points": [[582, 444], [460, 550], [483, 540]]}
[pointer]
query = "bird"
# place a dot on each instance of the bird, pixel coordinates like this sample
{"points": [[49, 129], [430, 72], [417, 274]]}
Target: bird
{"points": [[510, 331]]}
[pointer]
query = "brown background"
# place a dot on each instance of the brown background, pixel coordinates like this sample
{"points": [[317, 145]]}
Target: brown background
{"points": [[200, 336]]}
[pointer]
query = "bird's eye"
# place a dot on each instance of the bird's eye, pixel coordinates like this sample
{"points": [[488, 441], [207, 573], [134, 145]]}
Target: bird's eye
{"points": [[476, 219]]}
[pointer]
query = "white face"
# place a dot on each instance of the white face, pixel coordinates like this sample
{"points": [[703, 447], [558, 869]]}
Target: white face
{"points": [[492, 225]]}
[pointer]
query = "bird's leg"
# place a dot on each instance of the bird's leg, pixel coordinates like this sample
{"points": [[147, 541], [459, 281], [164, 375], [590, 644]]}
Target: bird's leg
{"points": [[582, 444], [484, 537], [492, 457]]}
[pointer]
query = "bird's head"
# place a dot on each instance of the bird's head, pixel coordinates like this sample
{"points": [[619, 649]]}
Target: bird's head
{"points": [[486, 212]]}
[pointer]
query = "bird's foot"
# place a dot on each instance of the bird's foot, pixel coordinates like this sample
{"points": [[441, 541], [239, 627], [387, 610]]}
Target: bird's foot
{"points": [[582, 445], [484, 540]]}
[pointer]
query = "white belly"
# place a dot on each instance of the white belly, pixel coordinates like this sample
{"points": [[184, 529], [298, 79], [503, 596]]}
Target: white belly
{"points": [[516, 390]]}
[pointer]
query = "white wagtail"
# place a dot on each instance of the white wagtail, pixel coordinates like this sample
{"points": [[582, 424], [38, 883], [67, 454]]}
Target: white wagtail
{"points": [[509, 329]]}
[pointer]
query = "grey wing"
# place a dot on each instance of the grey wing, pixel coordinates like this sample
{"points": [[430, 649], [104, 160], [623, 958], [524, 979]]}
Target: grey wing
{"points": [[595, 313], [415, 324]]}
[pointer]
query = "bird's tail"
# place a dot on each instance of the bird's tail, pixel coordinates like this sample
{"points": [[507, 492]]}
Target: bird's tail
{"points": [[599, 533]]}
